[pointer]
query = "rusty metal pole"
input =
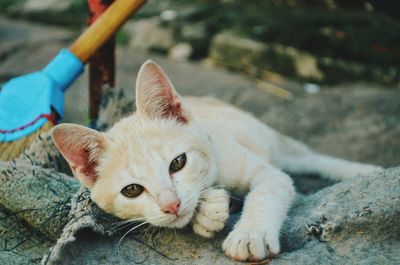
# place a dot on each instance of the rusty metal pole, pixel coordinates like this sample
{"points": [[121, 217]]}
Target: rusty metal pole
{"points": [[101, 64]]}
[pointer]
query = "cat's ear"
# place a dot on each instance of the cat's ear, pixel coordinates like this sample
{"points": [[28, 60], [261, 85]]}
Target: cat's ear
{"points": [[156, 96], [81, 147]]}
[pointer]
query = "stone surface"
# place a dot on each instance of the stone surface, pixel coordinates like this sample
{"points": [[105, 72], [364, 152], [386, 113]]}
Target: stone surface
{"points": [[150, 34], [243, 54], [236, 53], [353, 222], [197, 34], [45, 5], [252, 56], [180, 52]]}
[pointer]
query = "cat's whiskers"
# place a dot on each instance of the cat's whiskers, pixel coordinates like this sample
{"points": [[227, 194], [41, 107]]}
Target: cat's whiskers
{"points": [[235, 198], [125, 223], [146, 231], [192, 200], [188, 202], [158, 219], [122, 222], [129, 231], [202, 185], [212, 188], [124, 226], [217, 187]]}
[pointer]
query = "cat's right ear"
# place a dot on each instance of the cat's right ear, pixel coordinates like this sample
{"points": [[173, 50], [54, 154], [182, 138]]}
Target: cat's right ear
{"points": [[156, 97], [81, 147]]}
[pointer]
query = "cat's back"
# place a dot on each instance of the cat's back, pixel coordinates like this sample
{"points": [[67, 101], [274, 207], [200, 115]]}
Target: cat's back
{"points": [[220, 118], [211, 110]]}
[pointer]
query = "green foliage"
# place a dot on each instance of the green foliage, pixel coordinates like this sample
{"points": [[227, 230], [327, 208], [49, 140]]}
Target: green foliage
{"points": [[122, 38], [6, 4]]}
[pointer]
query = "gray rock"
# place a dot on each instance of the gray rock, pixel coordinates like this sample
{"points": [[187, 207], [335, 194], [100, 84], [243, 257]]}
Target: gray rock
{"points": [[180, 52], [150, 34], [197, 34], [168, 16], [353, 222], [45, 5], [252, 56], [236, 53], [194, 32]]}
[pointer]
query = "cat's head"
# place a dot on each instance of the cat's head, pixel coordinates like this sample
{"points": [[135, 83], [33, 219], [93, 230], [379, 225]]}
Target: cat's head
{"points": [[151, 166]]}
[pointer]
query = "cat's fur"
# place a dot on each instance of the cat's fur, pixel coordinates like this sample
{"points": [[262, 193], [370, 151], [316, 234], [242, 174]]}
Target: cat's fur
{"points": [[225, 147]]}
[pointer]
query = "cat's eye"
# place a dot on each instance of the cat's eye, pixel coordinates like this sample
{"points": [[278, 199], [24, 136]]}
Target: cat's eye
{"points": [[178, 163], [132, 190]]}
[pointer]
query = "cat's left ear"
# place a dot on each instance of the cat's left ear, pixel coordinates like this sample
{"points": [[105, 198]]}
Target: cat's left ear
{"points": [[82, 148], [156, 97]]}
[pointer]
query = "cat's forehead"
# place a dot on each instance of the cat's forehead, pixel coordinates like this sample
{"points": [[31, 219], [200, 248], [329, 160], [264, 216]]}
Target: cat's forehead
{"points": [[141, 137]]}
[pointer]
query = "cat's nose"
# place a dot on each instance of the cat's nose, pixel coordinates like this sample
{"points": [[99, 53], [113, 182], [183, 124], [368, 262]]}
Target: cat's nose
{"points": [[171, 208]]}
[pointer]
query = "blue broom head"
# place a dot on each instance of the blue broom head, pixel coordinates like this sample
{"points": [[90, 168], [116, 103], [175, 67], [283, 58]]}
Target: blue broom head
{"points": [[27, 101]]}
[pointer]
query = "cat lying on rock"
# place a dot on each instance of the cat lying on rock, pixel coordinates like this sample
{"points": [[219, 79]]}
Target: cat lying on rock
{"points": [[172, 162]]}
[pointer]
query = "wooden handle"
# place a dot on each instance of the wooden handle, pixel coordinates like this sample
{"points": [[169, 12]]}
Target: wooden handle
{"points": [[105, 26]]}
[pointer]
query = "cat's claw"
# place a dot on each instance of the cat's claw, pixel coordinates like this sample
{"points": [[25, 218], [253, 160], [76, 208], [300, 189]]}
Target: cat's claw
{"points": [[213, 212], [248, 244]]}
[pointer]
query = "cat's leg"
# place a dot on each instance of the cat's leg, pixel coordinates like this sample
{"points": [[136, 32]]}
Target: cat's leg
{"points": [[212, 212], [296, 158], [256, 235]]}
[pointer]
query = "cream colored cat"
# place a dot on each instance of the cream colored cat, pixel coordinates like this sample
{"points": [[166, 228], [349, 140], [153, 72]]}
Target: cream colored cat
{"points": [[163, 165]]}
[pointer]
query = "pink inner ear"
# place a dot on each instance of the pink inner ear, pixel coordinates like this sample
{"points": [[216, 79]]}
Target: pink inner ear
{"points": [[173, 108], [78, 159], [82, 164], [157, 96], [81, 147]]}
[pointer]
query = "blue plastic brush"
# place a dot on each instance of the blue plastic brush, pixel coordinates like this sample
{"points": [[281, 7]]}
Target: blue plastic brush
{"points": [[33, 103]]}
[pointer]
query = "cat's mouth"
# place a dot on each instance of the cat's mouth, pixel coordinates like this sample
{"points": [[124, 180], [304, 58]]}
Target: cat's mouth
{"points": [[179, 221]]}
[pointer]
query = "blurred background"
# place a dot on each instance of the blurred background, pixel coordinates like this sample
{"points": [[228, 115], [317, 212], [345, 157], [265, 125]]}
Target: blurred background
{"points": [[323, 71], [333, 40]]}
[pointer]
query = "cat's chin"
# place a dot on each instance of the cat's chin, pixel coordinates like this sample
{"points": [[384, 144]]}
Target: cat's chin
{"points": [[177, 222]]}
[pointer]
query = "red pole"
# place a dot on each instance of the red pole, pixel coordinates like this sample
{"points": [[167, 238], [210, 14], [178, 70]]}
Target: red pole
{"points": [[101, 64]]}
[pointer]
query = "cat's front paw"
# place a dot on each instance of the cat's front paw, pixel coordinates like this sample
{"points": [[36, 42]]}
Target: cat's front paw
{"points": [[249, 244], [213, 212]]}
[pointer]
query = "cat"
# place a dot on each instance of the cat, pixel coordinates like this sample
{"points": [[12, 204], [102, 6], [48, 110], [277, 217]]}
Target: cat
{"points": [[172, 162]]}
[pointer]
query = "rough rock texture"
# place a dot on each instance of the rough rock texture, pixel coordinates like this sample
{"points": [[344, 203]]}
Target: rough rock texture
{"points": [[180, 52], [353, 222], [150, 34], [41, 206], [35, 195], [45, 5], [250, 56]]}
